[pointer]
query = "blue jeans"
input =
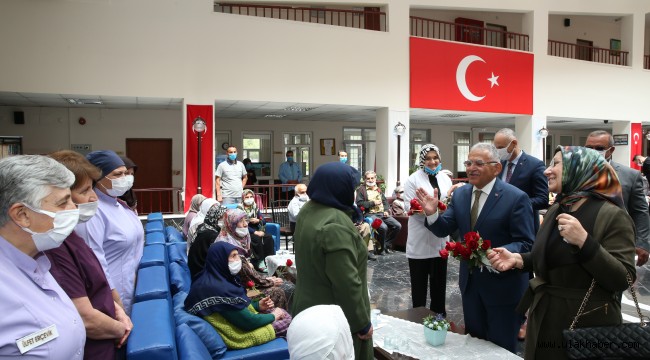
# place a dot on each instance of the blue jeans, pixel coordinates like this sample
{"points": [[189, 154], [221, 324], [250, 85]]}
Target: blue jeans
{"points": [[231, 200]]}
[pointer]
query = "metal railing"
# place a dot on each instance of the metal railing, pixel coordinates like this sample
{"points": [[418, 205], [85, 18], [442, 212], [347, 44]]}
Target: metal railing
{"points": [[164, 200], [587, 53], [443, 30], [359, 19], [646, 62]]}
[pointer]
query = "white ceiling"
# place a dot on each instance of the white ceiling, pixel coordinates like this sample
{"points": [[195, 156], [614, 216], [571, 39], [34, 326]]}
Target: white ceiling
{"points": [[240, 109]]}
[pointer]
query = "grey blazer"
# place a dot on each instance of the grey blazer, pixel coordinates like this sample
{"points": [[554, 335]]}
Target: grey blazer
{"points": [[635, 202]]}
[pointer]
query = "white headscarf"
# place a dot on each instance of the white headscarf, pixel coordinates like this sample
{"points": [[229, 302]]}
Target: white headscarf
{"points": [[320, 332], [198, 220]]}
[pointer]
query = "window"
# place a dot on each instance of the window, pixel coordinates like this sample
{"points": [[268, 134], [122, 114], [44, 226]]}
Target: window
{"points": [[257, 147], [300, 144], [417, 138], [461, 151], [360, 143]]}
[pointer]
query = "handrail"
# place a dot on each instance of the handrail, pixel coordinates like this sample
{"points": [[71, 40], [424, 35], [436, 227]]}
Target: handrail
{"points": [[443, 30], [359, 19], [587, 53], [164, 200]]}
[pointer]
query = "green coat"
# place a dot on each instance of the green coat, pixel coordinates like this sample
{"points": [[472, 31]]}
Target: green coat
{"points": [[555, 295], [331, 259]]}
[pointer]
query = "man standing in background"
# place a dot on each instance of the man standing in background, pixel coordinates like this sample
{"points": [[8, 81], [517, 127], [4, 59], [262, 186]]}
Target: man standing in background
{"points": [[230, 179], [290, 173]]}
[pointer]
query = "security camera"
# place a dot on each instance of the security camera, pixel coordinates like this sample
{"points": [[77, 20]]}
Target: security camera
{"points": [[606, 121]]}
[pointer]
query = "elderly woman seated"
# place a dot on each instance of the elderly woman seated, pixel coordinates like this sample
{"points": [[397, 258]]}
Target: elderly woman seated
{"points": [[262, 244], [218, 296]]}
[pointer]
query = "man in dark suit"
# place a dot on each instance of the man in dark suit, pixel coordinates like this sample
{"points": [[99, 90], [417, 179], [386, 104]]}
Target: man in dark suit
{"points": [[523, 171], [503, 215], [633, 192]]}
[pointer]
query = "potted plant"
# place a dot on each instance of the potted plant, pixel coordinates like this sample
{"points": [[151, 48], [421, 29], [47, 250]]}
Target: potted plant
{"points": [[435, 329]]}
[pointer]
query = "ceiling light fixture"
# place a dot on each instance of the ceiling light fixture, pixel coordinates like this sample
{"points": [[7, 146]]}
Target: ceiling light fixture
{"points": [[297, 108], [277, 116], [85, 101]]}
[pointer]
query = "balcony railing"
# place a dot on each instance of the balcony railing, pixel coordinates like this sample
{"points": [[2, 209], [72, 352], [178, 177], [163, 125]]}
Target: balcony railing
{"points": [[436, 29], [587, 53], [368, 20], [164, 200]]}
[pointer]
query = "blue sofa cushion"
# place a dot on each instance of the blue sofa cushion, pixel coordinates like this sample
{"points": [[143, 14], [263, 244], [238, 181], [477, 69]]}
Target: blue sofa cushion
{"points": [[156, 237], [155, 217], [190, 345], [274, 350], [152, 284], [274, 230], [177, 252], [180, 278], [173, 235], [153, 255], [153, 226], [202, 328], [153, 332]]}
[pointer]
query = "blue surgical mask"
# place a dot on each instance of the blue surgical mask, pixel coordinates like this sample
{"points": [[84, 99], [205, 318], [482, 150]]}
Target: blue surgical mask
{"points": [[232, 157], [343, 159], [290, 158], [433, 172]]}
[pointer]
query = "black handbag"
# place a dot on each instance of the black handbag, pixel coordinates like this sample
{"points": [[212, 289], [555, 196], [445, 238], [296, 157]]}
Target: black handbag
{"points": [[625, 341]]}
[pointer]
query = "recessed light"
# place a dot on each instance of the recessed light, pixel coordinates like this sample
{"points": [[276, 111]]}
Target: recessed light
{"points": [[85, 101], [274, 116], [298, 108]]}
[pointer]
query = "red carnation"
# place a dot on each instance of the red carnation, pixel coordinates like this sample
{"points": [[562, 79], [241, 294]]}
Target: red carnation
{"points": [[444, 253], [250, 284], [289, 262], [486, 244], [472, 235], [442, 206], [415, 205], [472, 244], [376, 223]]}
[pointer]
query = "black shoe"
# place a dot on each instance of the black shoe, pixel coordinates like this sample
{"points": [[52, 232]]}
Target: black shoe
{"points": [[371, 256]]}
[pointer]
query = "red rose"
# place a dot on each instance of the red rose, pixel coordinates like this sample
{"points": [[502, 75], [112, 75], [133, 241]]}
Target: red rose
{"points": [[486, 244], [250, 284], [466, 252], [363, 209], [472, 235], [450, 246], [289, 262], [442, 206], [472, 244], [444, 253], [415, 202], [376, 223]]}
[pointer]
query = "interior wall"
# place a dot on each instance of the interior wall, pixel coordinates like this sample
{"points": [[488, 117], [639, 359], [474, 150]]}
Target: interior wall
{"points": [[593, 28]]}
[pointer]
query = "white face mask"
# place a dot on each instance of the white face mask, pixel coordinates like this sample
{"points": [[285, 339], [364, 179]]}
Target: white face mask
{"points": [[504, 155], [120, 186], [249, 202], [64, 223], [371, 183], [130, 179], [87, 210], [303, 197], [241, 232], [234, 267]]}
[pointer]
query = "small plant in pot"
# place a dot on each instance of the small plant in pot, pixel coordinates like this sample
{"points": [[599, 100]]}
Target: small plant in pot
{"points": [[435, 329]]}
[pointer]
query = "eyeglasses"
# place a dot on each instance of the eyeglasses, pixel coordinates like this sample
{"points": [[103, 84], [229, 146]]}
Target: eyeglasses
{"points": [[478, 163], [598, 148]]}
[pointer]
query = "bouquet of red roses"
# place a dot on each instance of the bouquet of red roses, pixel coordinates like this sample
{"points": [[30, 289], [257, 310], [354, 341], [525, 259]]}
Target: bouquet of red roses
{"points": [[473, 250]]}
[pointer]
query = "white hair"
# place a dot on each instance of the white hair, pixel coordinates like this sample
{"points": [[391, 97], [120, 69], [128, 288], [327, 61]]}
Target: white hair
{"points": [[494, 155], [28, 179], [508, 133], [369, 172]]}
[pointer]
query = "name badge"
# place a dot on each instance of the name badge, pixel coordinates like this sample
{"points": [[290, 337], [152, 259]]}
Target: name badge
{"points": [[37, 338]]}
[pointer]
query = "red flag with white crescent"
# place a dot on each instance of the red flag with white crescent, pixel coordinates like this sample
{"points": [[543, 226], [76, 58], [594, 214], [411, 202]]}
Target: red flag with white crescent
{"points": [[636, 145], [457, 76]]}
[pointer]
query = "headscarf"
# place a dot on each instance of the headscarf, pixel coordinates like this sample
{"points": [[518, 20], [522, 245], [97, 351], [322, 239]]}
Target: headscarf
{"points": [[331, 339], [229, 234], [586, 173], [251, 211], [203, 210], [215, 289], [333, 185], [105, 160], [195, 204], [211, 221], [424, 150]]}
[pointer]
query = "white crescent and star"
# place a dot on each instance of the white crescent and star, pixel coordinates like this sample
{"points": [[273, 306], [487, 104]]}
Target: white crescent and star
{"points": [[461, 80], [636, 138]]}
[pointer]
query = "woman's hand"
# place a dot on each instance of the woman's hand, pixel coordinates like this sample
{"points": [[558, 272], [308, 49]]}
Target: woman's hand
{"points": [[254, 220], [121, 316], [502, 259], [277, 281], [259, 233], [571, 230], [266, 304], [278, 313], [429, 203]]}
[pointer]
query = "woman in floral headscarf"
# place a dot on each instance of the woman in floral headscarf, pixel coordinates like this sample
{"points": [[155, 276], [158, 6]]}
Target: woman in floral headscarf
{"points": [[586, 235], [274, 287], [426, 267], [206, 235], [262, 244]]}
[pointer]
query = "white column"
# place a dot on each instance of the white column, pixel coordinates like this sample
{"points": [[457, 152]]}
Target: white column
{"points": [[527, 130], [623, 153], [386, 150]]}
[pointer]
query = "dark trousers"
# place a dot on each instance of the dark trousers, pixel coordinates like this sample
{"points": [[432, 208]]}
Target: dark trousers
{"points": [[388, 230], [261, 247], [430, 272]]}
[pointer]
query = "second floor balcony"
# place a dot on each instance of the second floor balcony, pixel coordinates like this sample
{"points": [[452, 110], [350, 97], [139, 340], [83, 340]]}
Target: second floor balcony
{"points": [[585, 51]]}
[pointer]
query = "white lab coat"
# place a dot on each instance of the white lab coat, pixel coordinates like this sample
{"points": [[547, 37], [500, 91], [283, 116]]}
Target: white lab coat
{"points": [[422, 243]]}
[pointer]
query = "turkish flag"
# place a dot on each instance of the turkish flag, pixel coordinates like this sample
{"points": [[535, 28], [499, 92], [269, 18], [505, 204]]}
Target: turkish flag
{"points": [[457, 76], [636, 146], [206, 112]]}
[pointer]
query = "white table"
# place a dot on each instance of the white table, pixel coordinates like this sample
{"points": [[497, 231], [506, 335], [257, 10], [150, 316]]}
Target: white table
{"points": [[455, 347], [280, 259]]}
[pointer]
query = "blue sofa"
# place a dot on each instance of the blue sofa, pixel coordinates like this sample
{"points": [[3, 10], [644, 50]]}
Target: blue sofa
{"points": [[162, 329]]}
